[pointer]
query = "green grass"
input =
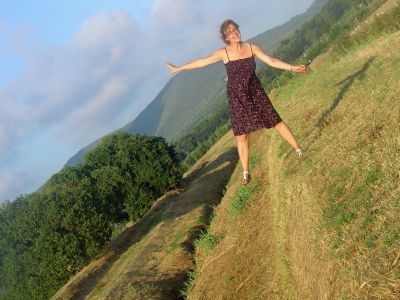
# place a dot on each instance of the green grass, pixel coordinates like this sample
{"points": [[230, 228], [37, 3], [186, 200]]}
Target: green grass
{"points": [[118, 229], [254, 160], [243, 197], [292, 87], [207, 240], [391, 235], [142, 288], [191, 276], [175, 241], [213, 217], [229, 278], [345, 205]]}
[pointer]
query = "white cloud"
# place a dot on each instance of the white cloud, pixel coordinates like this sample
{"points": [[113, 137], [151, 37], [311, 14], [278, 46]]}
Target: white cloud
{"points": [[98, 110], [62, 82]]}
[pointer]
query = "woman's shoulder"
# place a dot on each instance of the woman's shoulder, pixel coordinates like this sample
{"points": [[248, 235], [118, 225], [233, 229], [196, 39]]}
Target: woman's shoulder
{"points": [[254, 47], [229, 48], [221, 51], [251, 44]]}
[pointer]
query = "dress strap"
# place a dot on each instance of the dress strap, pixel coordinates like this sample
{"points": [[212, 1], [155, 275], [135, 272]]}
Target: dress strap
{"points": [[251, 50], [227, 54]]}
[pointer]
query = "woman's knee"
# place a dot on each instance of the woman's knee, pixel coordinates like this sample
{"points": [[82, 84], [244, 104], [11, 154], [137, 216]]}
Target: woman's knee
{"points": [[242, 138]]}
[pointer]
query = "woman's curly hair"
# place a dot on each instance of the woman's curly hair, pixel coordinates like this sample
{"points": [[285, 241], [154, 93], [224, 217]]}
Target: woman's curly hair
{"points": [[223, 27]]}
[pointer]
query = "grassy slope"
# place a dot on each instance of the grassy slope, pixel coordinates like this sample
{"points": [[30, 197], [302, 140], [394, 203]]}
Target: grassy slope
{"points": [[326, 225]]}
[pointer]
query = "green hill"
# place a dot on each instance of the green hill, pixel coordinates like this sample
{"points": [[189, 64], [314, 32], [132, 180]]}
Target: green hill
{"points": [[271, 39]]}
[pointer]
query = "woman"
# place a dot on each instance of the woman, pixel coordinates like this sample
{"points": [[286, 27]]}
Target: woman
{"points": [[250, 107]]}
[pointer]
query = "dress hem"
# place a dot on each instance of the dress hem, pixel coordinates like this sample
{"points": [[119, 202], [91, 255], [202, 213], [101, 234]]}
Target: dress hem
{"points": [[261, 127]]}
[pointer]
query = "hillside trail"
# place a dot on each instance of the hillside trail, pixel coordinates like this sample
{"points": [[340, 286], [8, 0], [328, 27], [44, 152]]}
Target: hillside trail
{"points": [[150, 259]]}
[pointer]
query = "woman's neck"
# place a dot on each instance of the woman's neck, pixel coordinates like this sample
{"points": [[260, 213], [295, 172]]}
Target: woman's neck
{"points": [[236, 46]]}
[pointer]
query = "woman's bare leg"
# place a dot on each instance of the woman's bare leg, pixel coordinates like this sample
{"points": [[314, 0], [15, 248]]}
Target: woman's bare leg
{"points": [[287, 134], [243, 150]]}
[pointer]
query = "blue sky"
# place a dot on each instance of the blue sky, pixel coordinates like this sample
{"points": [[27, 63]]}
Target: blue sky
{"points": [[73, 71], [56, 21]]}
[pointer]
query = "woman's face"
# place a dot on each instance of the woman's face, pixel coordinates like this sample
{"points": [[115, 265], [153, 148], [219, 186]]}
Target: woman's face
{"points": [[232, 34]]}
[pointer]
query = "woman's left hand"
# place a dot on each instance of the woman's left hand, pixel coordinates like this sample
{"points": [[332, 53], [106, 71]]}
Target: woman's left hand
{"points": [[299, 69], [172, 68]]}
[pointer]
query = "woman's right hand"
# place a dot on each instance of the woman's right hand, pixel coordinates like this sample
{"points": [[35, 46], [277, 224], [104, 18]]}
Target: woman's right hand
{"points": [[172, 68], [299, 69]]}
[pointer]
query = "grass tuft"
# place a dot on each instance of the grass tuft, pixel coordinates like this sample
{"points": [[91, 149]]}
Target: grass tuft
{"points": [[243, 197], [207, 240]]}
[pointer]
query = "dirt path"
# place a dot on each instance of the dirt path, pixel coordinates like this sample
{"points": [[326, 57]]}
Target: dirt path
{"points": [[149, 260]]}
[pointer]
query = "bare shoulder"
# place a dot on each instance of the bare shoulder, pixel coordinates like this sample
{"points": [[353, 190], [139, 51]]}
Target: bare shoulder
{"points": [[259, 52], [214, 56], [223, 54], [220, 51], [216, 53], [255, 47]]}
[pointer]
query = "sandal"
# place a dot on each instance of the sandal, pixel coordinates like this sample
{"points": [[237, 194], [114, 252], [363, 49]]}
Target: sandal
{"points": [[246, 178], [300, 151]]}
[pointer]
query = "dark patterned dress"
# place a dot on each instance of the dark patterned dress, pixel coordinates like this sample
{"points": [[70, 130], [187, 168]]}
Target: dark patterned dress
{"points": [[250, 107]]}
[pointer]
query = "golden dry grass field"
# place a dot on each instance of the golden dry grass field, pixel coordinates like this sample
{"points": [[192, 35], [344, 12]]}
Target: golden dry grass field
{"points": [[325, 226]]}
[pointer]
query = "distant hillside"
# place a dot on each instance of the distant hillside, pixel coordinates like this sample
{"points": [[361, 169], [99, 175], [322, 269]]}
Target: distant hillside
{"points": [[190, 97], [270, 40], [182, 102]]}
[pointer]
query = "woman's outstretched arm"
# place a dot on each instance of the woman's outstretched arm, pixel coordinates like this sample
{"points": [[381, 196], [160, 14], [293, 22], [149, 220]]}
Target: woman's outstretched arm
{"points": [[276, 63], [197, 63]]}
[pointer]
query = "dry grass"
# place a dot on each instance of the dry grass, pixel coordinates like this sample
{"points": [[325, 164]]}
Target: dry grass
{"points": [[325, 226], [385, 8], [353, 170], [243, 263]]}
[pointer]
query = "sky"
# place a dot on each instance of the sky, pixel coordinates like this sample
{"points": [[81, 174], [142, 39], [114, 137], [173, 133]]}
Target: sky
{"points": [[74, 71]]}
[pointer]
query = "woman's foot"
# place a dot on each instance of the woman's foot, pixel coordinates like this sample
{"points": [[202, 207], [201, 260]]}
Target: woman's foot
{"points": [[245, 177], [300, 151]]}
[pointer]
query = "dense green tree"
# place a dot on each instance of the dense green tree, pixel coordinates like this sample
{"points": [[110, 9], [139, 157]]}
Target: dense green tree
{"points": [[48, 236], [141, 169]]}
